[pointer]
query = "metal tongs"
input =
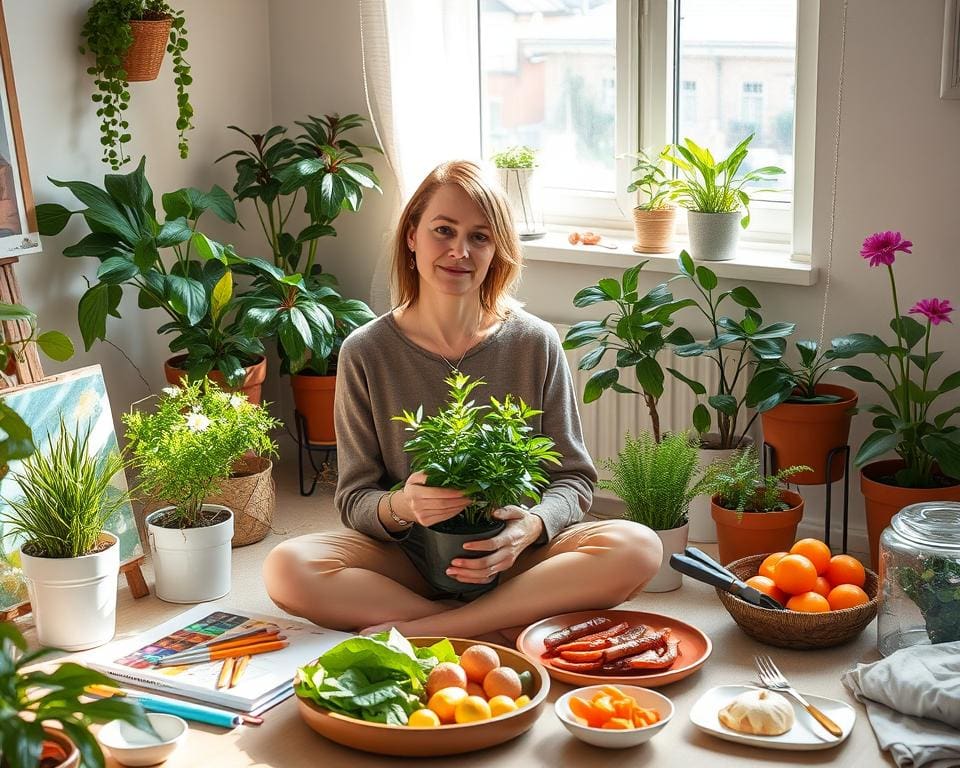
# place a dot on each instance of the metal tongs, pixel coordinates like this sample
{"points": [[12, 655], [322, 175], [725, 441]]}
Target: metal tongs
{"points": [[700, 566]]}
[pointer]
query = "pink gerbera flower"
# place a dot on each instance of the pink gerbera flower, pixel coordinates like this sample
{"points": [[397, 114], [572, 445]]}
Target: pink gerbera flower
{"points": [[935, 310], [881, 248]]}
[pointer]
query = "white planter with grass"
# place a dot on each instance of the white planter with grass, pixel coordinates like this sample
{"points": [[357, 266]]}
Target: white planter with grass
{"points": [[713, 236], [191, 565], [674, 541], [74, 599]]}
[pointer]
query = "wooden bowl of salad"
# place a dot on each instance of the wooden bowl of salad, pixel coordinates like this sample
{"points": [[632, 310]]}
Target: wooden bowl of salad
{"points": [[331, 701]]}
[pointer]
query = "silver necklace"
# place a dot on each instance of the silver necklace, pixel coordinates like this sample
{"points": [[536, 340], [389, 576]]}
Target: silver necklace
{"points": [[455, 368]]}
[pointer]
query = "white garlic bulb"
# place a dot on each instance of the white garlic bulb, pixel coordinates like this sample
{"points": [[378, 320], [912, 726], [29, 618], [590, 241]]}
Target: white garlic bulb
{"points": [[759, 712]]}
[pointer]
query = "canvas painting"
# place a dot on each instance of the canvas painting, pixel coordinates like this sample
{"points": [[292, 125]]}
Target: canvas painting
{"points": [[81, 398]]}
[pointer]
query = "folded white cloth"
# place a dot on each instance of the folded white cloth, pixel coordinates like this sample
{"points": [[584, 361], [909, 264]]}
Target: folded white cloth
{"points": [[913, 702]]}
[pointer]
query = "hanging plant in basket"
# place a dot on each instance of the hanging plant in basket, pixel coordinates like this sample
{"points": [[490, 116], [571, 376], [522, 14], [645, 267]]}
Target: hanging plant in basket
{"points": [[128, 39]]}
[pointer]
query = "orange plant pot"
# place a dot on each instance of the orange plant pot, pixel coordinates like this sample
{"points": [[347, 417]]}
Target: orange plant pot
{"points": [[250, 386], [654, 230], [804, 433], [143, 58], [882, 500], [756, 533], [313, 397]]}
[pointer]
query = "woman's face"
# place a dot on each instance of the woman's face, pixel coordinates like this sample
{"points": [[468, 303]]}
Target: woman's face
{"points": [[453, 243]]}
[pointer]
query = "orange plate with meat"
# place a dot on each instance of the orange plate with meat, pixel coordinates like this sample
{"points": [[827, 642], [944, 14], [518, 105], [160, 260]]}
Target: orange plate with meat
{"points": [[694, 647]]}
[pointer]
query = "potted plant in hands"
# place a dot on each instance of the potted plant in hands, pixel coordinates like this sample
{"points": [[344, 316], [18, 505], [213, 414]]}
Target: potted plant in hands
{"points": [[517, 167], [927, 443], [489, 454], [637, 331], [70, 562], [183, 451], [753, 513], [128, 39], [32, 701], [656, 481], [714, 193], [654, 219]]}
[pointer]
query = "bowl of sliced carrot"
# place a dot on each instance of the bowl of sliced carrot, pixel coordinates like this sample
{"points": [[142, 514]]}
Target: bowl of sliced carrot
{"points": [[614, 716]]}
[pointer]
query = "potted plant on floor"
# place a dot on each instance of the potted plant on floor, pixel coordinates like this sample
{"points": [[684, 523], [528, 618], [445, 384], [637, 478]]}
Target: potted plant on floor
{"points": [[927, 442], [297, 303], [485, 451], [70, 562], [656, 479], [715, 196], [47, 715], [517, 169], [654, 218], [127, 39], [183, 451], [754, 514]]}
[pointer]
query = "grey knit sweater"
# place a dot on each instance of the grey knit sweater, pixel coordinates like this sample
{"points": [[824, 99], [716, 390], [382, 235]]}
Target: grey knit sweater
{"points": [[381, 372]]}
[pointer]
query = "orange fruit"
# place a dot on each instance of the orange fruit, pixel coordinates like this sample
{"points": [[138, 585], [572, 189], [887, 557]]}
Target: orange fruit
{"points": [[477, 661], [845, 569], [846, 596], [502, 681], [808, 602], [815, 551], [423, 718], [766, 567], [795, 574], [475, 689], [446, 675], [444, 703], [767, 586], [823, 586], [502, 705], [472, 709]]}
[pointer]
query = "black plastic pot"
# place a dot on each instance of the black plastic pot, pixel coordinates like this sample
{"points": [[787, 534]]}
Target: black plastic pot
{"points": [[442, 545]]}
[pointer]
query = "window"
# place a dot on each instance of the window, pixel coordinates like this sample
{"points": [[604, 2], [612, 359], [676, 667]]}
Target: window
{"points": [[688, 102]]}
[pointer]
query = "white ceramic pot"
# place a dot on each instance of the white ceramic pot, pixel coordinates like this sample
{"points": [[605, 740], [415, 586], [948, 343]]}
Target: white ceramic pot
{"points": [[191, 565], [713, 236], [702, 528], [674, 542], [74, 599]]}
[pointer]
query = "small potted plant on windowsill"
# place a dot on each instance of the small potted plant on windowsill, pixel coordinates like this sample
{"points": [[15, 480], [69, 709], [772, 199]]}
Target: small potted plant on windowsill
{"points": [[654, 218], [714, 194], [183, 451], [517, 168], [485, 451], [754, 514]]}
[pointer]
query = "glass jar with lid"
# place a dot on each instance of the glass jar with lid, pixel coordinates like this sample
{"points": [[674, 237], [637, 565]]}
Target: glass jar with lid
{"points": [[920, 577]]}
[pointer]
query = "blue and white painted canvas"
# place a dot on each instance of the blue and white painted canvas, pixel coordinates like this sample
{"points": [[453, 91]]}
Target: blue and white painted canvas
{"points": [[81, 398]]}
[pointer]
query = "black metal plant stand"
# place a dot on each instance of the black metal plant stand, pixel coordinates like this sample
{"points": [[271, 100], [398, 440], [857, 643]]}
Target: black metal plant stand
{"points": [[770, 467], [304, 446]]}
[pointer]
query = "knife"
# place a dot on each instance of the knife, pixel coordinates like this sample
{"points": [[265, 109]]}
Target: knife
{"points": [[717, 576]]}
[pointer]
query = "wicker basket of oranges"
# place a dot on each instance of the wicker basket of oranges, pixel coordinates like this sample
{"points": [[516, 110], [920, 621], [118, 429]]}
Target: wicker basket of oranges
{"points": [[830, 599]]}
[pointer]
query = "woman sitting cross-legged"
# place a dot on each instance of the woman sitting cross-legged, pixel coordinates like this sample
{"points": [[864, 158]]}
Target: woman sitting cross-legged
{"points": [[456, 262]]}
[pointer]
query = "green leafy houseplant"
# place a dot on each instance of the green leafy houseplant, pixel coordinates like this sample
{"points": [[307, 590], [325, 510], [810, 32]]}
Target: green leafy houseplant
{"points": [[710, 186], [30, 698], [738, 483], [516, 157], [486, 451], [108, 36], [190, 444], [934, 585], [782, 382], [67, 497], [637, 330], [651, 181], [655, 478]]}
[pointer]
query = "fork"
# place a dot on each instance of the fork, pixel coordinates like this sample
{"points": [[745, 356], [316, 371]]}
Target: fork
{"points": [[771, 677]]}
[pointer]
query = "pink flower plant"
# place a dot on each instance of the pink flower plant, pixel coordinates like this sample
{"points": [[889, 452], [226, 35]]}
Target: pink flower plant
{"points": [[935, 310], [881, 248]]}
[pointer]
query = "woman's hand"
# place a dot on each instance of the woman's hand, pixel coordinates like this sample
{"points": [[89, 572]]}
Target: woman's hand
{"points": [[523, 528], [426, 504]]}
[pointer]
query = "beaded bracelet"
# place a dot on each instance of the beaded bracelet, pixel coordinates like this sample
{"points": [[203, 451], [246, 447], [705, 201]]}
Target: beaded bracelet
{"points": [[396, 518]]}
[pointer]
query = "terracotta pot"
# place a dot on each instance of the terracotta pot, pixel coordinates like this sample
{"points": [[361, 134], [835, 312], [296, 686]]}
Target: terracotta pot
{"points": [[756, 533], [143, 58], [654, 230], [702, 528], [313, 397], [250, 386], [882, 501], [804, 433], [59, 747]]}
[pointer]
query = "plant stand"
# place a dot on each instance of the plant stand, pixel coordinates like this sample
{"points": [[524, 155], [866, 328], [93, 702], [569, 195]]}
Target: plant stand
{"points": [[304, 446], [770, 467]]}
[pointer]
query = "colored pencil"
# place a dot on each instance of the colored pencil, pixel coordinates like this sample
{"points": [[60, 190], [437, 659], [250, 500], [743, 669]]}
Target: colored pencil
{"points": [[245, 639], [187, 710], [238, 669], [206, 655], [226, 673], [233, 637]]}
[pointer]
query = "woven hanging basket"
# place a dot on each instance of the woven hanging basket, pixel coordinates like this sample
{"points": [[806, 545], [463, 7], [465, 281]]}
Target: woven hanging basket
{"points": [[251, 494], [145, 55], [792, 629]]}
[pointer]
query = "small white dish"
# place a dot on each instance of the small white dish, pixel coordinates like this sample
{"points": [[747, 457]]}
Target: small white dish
{"points": [[131, 746], [615, 739], [806, 734]]}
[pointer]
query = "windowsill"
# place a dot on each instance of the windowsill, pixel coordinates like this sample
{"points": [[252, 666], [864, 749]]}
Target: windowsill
{"points": [[755, 262]]}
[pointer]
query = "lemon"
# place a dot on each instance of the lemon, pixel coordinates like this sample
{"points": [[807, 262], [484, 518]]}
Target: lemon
{"points": [[444, 702], [501, 705], [521, 701], [472, 709], [424, 718]]}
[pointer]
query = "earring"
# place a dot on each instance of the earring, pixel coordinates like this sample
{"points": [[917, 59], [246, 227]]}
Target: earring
{"points": [[413, 262]]}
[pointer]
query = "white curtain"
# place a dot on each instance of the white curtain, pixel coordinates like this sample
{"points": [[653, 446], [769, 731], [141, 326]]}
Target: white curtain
{"points": [[421, 75]]}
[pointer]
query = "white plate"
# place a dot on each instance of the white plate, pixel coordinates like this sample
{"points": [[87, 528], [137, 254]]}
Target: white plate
{"points": [[806, 733]]}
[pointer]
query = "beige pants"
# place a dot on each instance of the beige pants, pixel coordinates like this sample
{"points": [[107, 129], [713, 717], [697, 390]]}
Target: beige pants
{"points": [[347, 580]]}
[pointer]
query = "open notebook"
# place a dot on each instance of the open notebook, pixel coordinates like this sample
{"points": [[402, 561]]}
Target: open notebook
{"points": [[267, 680]]}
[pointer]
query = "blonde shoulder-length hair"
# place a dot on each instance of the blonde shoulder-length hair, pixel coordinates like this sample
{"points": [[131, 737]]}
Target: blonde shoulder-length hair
{"points": [[504, 273]]}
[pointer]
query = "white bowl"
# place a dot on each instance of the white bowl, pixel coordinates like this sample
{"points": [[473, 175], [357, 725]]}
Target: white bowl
{"points": [[131, 746], [609, 738]]}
